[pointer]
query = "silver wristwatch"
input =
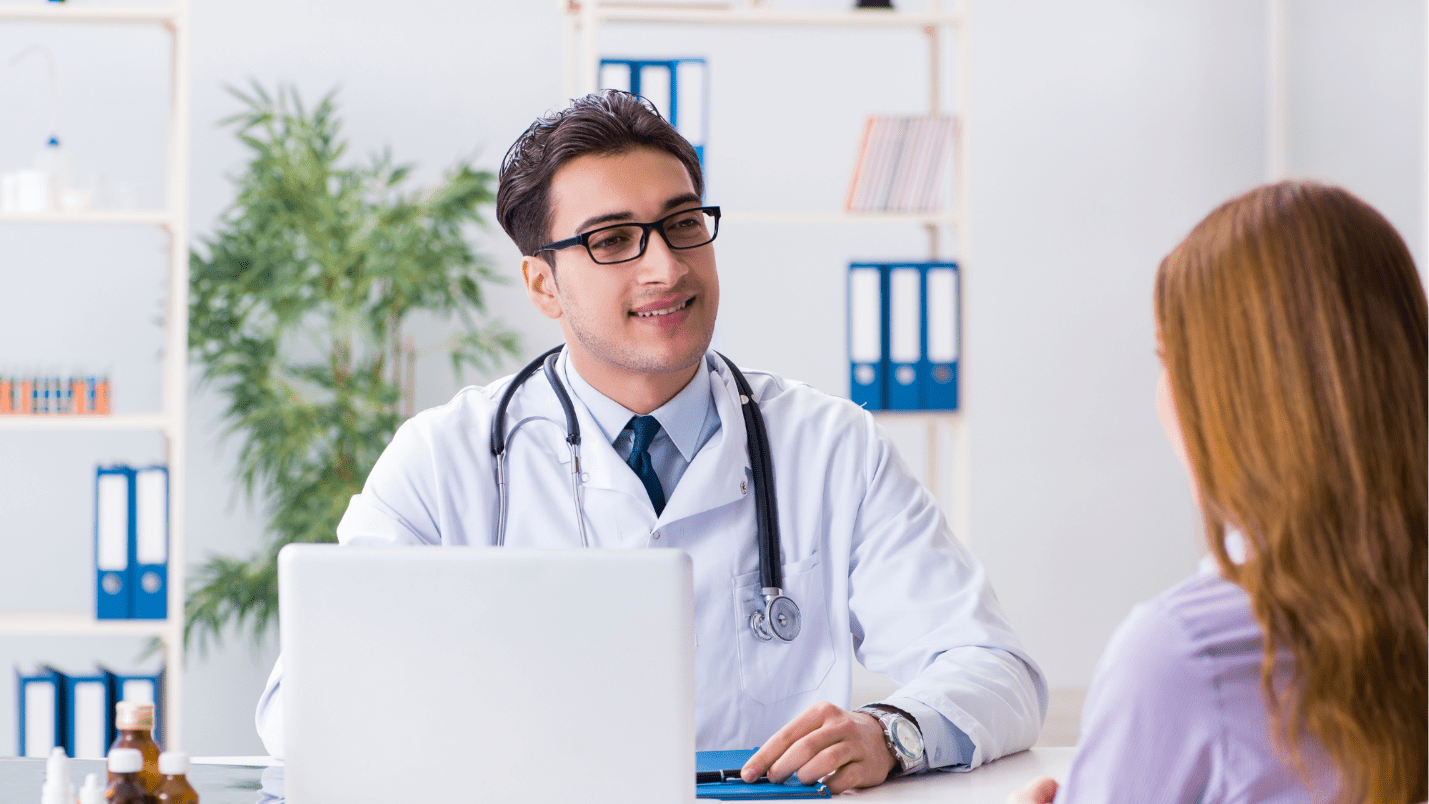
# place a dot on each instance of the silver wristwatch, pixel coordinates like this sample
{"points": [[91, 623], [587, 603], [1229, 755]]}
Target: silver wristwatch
{"points": [[905, 739]]}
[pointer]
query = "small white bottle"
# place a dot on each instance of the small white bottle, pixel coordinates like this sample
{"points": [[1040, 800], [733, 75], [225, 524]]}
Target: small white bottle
{"points": [[9, 192], [58, 789], [93, 790], [54, 163], [31, 190]]}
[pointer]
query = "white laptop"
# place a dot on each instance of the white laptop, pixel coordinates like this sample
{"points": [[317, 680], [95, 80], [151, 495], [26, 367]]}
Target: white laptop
{"points": [[484, 674]]}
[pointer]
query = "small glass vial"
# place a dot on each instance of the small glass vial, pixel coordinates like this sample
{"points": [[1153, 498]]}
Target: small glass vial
{"points": [[175, 787], [135, 723], [125, 786]]}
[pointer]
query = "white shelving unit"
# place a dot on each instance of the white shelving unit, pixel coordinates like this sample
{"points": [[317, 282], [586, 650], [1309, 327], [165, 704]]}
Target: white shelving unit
{"points": [[583, 20], [171, 418]]}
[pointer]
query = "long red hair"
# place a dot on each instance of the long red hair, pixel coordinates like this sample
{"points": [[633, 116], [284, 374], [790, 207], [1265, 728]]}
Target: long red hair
{"points": [[1294, 333]]}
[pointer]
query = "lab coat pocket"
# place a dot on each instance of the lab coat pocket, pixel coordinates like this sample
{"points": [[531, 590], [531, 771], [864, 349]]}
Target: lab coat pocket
{"points": [[773, 670]]}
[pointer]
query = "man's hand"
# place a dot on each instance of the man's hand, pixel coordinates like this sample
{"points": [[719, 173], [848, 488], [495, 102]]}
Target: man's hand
{"points": [[844, 749], [1037, 791]]}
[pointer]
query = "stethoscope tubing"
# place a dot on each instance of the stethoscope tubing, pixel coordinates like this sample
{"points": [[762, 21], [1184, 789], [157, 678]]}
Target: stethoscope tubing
{"points": [[498, 437], [573, 441], [771, 572], [779, 611]]}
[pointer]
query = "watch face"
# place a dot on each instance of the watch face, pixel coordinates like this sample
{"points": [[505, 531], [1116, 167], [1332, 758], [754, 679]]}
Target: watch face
{"points": [[907, 739]]}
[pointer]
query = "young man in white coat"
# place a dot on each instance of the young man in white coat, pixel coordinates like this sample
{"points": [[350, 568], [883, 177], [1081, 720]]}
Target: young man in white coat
{"points": [[605, 200]]}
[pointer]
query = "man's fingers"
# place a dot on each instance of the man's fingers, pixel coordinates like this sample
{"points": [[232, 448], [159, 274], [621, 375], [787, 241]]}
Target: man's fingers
{"points": [[854, 774], [824, 743], [773, 748], [807, 749], [832, 758], [809, 720]]}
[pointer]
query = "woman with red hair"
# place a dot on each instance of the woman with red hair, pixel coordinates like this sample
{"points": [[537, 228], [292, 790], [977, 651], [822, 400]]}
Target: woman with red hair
{"points": [[1291, 327]]}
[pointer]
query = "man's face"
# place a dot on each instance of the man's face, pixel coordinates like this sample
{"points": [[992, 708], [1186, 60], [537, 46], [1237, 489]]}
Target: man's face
{"points": [[652, 315]]}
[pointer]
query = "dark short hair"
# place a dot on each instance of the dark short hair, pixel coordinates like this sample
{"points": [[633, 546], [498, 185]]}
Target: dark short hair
{"points": [[599, 124]]}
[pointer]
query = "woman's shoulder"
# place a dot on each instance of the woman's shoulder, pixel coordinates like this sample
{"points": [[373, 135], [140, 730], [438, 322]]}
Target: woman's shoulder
{"points": [[1150, 729], [1205, 603], [1217, 623], [1190, 635], [1176, 712]]}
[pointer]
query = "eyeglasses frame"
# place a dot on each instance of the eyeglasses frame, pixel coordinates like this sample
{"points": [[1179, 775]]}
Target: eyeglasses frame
{"points": [[583, 239]]}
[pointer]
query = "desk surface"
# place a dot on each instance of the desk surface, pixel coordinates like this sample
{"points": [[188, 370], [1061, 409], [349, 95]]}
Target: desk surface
{"points": [[20, 781], [989, 784]]}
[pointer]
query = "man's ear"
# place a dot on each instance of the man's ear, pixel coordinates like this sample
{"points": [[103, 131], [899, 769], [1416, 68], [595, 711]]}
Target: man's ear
{"points": [[540, 280]]}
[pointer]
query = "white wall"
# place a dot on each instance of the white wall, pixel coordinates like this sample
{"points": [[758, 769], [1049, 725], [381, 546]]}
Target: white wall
{"points": [[1102, 131]]}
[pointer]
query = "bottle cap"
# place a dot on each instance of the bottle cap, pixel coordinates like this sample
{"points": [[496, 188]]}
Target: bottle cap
{"points": [[58, 763], [57, 788], [125, 760], [93, 790], [131, 716], [173, 763]]}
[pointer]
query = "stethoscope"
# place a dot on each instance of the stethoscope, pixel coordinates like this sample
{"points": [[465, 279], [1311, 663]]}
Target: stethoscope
{"points": [[780, 616]]}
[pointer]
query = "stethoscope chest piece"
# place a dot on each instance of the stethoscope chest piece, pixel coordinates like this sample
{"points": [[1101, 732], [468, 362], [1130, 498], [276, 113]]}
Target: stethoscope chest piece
{"points": [[780, 618]]}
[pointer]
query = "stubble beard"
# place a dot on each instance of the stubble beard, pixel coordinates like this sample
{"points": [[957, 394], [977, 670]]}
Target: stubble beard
{"points": [[613, 353]]}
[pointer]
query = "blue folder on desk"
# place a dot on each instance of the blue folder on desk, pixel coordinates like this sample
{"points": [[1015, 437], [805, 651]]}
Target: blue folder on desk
{"points": [[738, 791]]}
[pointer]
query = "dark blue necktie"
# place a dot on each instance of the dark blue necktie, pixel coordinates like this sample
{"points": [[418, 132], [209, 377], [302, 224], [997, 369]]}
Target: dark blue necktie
{"points": [[645, 428]]}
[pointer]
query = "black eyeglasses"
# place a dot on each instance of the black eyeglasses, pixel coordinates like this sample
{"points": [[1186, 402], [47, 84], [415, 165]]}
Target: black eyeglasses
{"points": [[623, 242]]}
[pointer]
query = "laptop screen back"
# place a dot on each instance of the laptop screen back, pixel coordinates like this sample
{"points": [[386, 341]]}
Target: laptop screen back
{"points": [[436, 674]]}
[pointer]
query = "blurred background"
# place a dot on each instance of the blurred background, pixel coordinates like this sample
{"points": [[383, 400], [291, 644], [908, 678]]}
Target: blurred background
{"points": [[1098, 133]]}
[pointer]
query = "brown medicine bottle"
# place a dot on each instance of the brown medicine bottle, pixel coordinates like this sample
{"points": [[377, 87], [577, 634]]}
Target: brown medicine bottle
{"points": [[135, 724], [125, 786], [175, 787]]}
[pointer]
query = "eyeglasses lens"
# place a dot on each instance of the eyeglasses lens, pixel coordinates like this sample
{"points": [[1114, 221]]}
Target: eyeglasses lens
{"points": [[688, 229], [621, 243], [615, 244]]}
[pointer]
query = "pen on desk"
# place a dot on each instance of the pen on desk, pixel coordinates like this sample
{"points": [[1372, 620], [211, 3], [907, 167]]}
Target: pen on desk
{"points": [[706, 777]]}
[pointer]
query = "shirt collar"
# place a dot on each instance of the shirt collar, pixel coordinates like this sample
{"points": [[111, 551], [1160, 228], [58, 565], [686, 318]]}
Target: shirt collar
{"points": [[682, 418]]}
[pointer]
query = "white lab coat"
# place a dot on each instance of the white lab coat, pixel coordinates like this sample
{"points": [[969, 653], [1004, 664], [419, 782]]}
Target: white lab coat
{"points": [[865, 549]]}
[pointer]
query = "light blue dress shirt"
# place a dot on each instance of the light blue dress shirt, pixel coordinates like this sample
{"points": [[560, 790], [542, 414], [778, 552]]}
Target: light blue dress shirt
{"points": [[687, 422]]}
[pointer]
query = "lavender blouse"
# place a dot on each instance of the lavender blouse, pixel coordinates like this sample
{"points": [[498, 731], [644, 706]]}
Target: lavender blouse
{"points": [[1176, 713]]}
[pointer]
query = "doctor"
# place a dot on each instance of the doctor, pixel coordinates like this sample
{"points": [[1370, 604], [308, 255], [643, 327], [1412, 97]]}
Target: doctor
{"points": [[605, 200]]}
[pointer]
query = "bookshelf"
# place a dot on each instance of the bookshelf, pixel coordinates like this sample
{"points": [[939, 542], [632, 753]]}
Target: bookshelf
{"points": [[171, 419], [582, 21]]}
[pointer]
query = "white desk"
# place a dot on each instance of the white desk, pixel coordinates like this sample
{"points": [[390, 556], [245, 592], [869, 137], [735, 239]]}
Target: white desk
{"points": [[236, 780], [989, 784]]}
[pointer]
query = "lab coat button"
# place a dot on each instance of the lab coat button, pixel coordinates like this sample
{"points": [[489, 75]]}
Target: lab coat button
{"points": [[655, 534], [743, 487]]}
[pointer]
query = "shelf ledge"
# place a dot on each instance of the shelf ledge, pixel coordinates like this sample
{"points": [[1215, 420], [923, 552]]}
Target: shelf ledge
{"points": [[63, 12], [120, 217], [954, 417], [48, 624], [947, 219], [70, 421], [764, 15]]}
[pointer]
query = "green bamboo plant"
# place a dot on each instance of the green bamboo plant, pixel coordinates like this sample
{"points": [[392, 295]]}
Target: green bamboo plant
{"points": [[296, 317]]}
